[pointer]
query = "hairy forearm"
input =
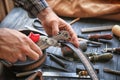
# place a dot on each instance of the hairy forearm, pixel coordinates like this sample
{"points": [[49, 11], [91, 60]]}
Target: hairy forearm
{"points": [[45, 13]]}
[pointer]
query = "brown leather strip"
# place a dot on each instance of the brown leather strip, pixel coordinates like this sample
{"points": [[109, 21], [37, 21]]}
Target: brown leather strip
{"points": [[30, 66], [84, 60]]}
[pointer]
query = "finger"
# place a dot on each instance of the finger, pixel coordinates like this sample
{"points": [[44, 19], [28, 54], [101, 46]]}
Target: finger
{"points": [[11, 59], [22, 57], [55, 28], [75, 41], [35, 48], [74, 38], [32, 54]]}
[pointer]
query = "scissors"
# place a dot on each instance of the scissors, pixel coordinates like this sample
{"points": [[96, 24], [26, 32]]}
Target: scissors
{"points": [[37, 24]]}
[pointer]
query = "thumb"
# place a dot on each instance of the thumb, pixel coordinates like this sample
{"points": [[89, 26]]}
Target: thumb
{"points": [[55, 28]]}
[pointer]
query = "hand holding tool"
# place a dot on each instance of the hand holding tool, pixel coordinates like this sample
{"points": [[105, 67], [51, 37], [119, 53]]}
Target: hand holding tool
{"points": [[44, 42], [64, 35]]}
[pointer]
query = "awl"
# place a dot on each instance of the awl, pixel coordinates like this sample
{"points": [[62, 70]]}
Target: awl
{"points": [[96, 37], [89, 41]]}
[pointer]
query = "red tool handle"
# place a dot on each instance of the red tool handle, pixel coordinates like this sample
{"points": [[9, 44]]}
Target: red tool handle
{"points": [[34, 37]]}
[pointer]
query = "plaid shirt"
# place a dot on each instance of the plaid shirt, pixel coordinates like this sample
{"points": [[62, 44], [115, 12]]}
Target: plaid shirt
{"points": [[32, 6]]}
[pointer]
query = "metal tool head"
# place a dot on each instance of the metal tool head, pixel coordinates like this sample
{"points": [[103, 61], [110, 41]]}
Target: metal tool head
{"points": [[62, 35]]}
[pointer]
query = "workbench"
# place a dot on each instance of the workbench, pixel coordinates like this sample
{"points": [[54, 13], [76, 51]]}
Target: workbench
{"points": [[18, 18]]}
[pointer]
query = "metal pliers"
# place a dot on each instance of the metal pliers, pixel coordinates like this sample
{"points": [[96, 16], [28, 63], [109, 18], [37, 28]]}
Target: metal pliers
{"points": [[44, 41]]}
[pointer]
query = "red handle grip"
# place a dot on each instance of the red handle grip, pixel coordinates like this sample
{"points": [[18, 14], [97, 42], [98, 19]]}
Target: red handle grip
{"points": [[34, 37]]}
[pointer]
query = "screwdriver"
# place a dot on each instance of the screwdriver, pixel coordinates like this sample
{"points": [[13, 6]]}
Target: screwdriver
{"points": [[96, 37]]}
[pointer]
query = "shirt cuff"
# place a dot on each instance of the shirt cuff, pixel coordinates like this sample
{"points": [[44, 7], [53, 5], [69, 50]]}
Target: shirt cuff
{"points": [[32, 6], [39, 5]]}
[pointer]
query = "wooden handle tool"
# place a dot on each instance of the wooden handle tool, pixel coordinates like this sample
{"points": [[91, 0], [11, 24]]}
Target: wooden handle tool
{"points": [[116, 30]]}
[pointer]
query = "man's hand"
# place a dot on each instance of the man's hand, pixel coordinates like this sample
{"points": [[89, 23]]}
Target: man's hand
{"points": [[53, 24], [16, 46]]}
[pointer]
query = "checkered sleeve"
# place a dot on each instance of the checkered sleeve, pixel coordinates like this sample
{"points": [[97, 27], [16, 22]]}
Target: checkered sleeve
{"points": [[32, 6]]}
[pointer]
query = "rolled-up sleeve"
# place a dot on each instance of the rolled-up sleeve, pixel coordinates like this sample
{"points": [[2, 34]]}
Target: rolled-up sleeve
{"points": [[32, 6]]}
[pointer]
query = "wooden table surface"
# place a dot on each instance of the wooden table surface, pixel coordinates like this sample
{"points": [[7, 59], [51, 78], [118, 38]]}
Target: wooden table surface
{"points": [[16, 20]]}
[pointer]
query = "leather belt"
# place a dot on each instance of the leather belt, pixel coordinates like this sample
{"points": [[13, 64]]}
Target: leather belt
{"points": [[84, 60], [29, 66]]}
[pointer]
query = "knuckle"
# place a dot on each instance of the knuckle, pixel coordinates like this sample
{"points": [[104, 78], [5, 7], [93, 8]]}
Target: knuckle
{"points": [[12, 60], [24, 49]]}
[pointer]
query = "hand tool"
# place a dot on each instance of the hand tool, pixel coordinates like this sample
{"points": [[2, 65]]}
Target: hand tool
{"points": [[114, 50], [22, 74], [90, 42], [93, 29], [83, 72], [43, 43], [75, 20], [116, 30], [54, 67], [84, 60], [107, 70], [59, 56], [97, 57], [101, 57], [57, 60], [34, 75], [37, 24], [55, 74], [35, 30], [96, 37]]}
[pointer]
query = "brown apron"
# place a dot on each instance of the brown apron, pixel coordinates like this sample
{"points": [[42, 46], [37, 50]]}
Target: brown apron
{"points": [[108, 9]]}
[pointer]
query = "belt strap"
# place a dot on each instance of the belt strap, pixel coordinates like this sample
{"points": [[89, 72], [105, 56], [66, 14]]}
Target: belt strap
{"points": [[84, 60]]}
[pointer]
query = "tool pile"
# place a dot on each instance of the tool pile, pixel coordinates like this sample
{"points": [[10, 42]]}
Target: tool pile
{"points": [[30, 70], [106, 53]]}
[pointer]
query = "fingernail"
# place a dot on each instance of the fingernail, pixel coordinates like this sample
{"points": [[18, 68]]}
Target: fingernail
{"points": [[36, 57]]}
